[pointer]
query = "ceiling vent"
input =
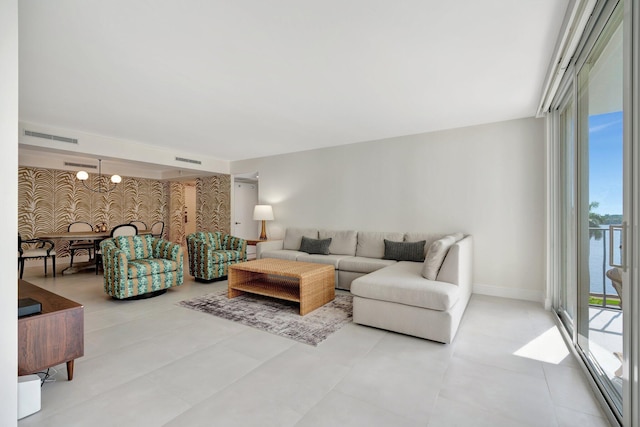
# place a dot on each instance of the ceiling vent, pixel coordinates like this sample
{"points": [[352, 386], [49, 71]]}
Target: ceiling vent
{"points": [[182, 159], [80, 165], [50, 137]]}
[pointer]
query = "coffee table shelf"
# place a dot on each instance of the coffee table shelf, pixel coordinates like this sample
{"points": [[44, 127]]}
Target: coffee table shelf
{"points": [[271, 287], [312, 285]]}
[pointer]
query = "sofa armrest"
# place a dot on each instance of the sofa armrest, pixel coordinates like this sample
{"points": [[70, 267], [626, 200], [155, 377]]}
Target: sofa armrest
{"points": [[271, 245], [457, 267]]}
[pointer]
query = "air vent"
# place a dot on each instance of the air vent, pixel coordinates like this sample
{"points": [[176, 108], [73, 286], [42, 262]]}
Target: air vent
{"points": [[80, 165], [50, 137], [182, 159]]}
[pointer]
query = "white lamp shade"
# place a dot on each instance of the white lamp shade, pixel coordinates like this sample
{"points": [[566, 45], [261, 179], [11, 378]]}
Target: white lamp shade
{"points": [[82, 175], [263, 213], [116, 179]]}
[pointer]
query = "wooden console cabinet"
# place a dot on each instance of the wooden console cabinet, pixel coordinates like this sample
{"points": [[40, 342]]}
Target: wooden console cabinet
{"points": [[50, 338]]}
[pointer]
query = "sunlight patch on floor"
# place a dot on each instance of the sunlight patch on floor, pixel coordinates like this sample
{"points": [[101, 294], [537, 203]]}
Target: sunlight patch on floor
{"points": [[548, 347]]}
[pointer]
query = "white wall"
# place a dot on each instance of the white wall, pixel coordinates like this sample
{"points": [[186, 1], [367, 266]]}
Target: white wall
{"points": [[484, 180], [9, 214]]}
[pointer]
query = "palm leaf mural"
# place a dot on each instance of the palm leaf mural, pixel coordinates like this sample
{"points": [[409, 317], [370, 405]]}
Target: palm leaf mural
{"points": [[72, 201], [176, 209], [27, 202], [158, 202], [213, 203], [49, 200], [133, 200]]}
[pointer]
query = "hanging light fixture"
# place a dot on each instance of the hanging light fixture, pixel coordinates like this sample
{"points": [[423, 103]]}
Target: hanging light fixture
{"points": [[83, 176]]}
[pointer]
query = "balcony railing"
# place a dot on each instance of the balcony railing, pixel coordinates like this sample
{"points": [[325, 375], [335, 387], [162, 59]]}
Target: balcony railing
{"points": [[602, 293]]}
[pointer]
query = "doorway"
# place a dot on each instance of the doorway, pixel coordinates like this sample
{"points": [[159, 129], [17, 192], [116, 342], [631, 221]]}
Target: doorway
{"points": [[189, 216], [245, 198]]}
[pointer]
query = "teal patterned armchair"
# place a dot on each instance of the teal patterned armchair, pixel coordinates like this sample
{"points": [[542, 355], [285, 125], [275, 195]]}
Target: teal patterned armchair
{"points": [[140, 265], [211, 254]]}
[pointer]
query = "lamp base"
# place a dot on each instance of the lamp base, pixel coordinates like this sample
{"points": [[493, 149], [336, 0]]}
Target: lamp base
{"points": [[263, 233]]}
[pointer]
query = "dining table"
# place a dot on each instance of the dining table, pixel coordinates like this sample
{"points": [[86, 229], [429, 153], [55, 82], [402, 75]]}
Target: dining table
{"points": [[92, 236]]}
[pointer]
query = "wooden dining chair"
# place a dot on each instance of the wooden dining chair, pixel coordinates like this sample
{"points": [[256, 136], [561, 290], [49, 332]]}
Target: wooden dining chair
{"points": [[118, 230], [124, 230], [36, 248], [76, 245], [157, 229]]}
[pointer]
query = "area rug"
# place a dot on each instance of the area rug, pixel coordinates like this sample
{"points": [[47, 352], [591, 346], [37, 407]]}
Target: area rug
{"points": [[276, 316]]}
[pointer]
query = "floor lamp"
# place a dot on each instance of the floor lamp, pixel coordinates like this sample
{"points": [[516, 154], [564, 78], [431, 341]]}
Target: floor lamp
{"points": [[263, 213]]}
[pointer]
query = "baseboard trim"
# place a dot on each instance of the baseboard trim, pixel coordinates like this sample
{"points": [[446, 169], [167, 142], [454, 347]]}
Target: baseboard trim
{"points": [[499, 291]]}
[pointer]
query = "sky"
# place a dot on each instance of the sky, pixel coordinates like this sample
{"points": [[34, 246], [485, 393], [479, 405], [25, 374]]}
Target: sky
{"points": [[605, 162]]}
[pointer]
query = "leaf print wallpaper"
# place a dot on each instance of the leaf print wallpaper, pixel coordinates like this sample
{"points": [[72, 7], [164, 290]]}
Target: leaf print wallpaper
{"points": [[213, 203], [49, 200]]}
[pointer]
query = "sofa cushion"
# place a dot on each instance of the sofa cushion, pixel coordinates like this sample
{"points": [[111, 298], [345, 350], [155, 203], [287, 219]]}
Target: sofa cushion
{"points": [[282, 254], [322, 259], [404, 251], [342, 242], [371, 243], [145, 267], [358, 264], [402, 283], [428, 238], [135, 247], [293, 237], [435, 256], [315, 246]]}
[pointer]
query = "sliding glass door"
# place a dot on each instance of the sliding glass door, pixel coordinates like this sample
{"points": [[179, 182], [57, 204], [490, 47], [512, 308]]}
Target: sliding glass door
{"points": [[567, 300], [588, 123], [599, 202]]}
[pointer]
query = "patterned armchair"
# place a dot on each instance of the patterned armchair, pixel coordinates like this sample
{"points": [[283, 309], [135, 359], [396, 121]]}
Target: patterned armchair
{"points": [[210, 254], [140, 265]]}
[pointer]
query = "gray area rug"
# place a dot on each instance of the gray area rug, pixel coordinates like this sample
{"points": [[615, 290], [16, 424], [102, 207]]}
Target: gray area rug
{"points": [[277, 316]]}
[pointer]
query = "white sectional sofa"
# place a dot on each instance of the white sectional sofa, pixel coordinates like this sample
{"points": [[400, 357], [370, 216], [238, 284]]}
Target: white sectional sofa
{"points": [[389, 294]]}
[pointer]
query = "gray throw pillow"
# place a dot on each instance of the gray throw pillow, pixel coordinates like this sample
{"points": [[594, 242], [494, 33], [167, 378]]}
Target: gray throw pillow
{"points": [[315, 246], [404, 251]]}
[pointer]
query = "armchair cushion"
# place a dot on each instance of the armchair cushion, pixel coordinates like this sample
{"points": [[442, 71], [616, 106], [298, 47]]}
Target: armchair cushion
{"points": [[144, 267], [135, 247]]}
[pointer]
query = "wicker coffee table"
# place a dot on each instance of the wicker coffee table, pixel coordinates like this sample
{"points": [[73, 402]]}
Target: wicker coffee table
{"points": [[312, 285]]}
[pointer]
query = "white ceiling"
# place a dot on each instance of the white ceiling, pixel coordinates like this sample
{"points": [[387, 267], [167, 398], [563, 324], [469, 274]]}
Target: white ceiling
{"points": [[250, 78]]}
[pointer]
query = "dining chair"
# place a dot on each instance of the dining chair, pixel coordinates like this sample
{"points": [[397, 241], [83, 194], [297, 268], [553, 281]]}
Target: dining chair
{"points": [[124, 230], [76, 245], [157, 229], [118, 230], [139, 224], [42, 249]]}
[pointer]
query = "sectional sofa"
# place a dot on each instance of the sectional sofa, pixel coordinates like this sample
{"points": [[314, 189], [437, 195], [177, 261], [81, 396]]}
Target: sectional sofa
{"points": [[414, 283]]}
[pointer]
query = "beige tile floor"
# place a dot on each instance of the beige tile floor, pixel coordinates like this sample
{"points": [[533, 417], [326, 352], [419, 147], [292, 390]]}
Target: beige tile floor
{"points": [[152, 363]]}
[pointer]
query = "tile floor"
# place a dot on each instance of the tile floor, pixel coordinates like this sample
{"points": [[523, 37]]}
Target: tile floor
{"points": [[152, 363]]}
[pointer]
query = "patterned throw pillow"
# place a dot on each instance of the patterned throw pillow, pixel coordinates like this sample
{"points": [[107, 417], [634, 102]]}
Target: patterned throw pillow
{"points": [[315, 246], [404, 251], [135, 247]]}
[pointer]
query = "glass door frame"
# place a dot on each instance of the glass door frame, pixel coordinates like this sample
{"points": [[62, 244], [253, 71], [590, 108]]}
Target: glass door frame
{"points": [[631, 208], [631, 213]]}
